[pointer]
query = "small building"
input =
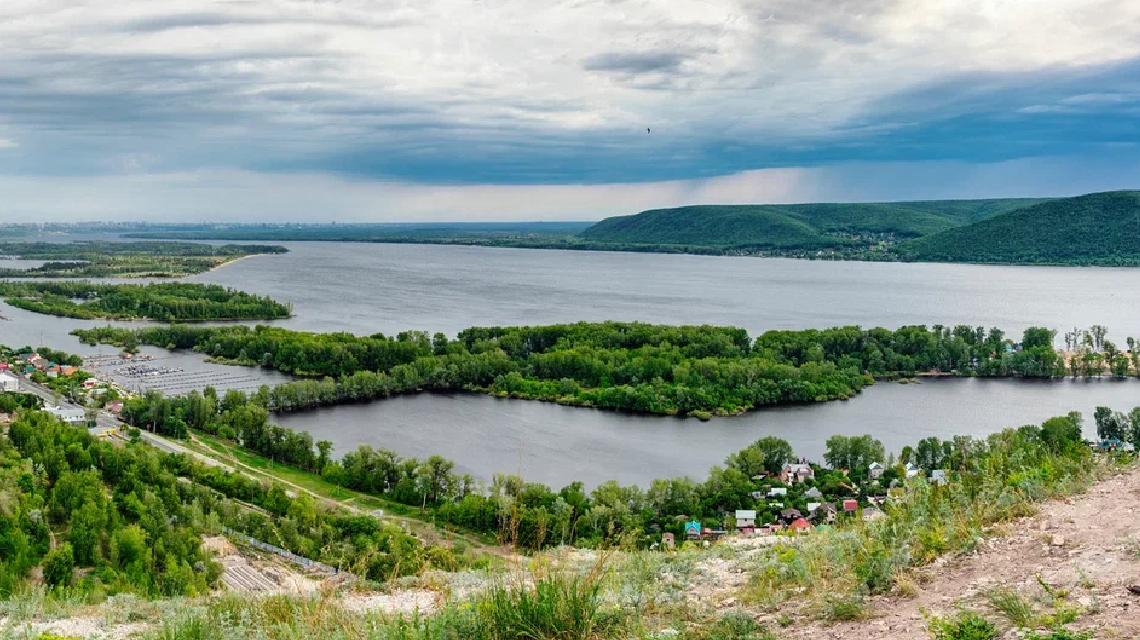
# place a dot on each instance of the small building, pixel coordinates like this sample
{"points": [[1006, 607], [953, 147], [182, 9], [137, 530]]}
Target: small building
{"points": [[9, 382], [911, 470], [799, 525], [1114, 444], [777, 492], [813, 494], [745, 520], [938, 476], [850, 506], [790, 515], [668, 540], [871, 513], [70, 416], [693, 530], [89, 383], [115, 406], [794, 472], [876, 470], [825, 512]]}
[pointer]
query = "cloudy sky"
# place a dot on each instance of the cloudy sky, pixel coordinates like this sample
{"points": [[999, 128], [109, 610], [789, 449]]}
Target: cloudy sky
{"points": [[517, 109]]}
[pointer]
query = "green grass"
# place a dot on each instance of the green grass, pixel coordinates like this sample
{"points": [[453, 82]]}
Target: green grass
{"points": [[1015, 607], [314, 483], [557, 606]]}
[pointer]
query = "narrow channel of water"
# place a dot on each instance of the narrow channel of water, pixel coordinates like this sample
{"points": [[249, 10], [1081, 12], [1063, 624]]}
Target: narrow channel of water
{"points": [[555, 445]]}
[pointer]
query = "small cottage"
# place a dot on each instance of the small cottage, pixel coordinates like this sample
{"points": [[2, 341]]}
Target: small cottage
{"points": [[745, 520], [794, 472], [876, 470], [813, 494], [800, 525]]}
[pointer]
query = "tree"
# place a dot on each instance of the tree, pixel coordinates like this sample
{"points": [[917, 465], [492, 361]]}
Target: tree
{"points": [[1058, 433], [1109, 425], [766, 454], [324, 449], [853, 452], [1037, 337], [58, 565]]}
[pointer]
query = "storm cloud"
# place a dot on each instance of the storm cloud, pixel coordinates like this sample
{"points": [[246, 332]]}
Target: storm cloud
{"points": [[403, 99]]}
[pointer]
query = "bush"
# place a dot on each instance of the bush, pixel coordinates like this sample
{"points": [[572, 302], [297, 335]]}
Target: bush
{"points": [[58, 565], [967, 625]]}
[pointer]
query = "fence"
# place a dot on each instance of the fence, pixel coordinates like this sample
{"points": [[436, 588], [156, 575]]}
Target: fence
{"points": [[287, 554]]}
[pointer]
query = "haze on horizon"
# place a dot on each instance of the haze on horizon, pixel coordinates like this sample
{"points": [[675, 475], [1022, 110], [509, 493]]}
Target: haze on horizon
{"points": [[430, 110]]}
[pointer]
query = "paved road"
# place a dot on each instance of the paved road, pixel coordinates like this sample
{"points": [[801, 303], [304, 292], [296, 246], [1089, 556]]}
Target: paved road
{"points": [[105, 420]]}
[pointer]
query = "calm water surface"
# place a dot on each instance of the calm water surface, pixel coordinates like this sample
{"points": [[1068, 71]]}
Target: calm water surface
{"points": [[368, 288], [555, 445]]}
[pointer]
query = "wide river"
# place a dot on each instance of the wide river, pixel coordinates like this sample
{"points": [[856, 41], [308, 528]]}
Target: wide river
{"points": [[368, 288]]}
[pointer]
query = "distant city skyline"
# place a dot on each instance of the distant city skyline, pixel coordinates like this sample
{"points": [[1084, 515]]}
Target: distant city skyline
{"points": [[443, 110]]}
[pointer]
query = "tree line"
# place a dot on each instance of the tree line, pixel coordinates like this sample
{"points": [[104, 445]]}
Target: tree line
{"points": [[167, 302], [535, 515], [670, 370]]}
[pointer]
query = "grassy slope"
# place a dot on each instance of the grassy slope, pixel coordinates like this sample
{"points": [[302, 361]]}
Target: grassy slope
{"points": [[1098, 228], [793, 226]]}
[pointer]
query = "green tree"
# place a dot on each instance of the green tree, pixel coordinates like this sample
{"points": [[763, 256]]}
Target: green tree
{"points": [[58, 565], [768, 454]]}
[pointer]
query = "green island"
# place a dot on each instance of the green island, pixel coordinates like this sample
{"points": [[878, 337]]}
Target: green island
{"points": [[698, 371], [165, 302], [1098, 229], [104, 259]]}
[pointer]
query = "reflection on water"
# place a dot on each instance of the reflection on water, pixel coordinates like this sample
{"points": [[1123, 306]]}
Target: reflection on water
{"points": [[555, 444]]}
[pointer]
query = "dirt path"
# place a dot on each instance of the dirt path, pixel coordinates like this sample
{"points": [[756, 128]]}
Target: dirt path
{"points": [[423, 529], [1088, 545]]}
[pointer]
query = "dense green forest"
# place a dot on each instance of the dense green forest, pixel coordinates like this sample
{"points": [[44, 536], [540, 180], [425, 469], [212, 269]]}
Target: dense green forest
{"points": [[168, 302], [698, 370], [102, 259], [106, 518], [801, 226], [1095, 229]]}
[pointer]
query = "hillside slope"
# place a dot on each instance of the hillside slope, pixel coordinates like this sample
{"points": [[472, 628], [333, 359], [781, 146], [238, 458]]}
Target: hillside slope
{"points": [[794, 226], [1094, 229]]}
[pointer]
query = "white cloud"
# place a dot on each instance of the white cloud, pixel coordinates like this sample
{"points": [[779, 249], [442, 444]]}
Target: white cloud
{"points": [[7, 144]]}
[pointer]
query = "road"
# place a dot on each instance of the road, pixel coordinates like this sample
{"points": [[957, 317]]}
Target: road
{"points": [[105, 421]]}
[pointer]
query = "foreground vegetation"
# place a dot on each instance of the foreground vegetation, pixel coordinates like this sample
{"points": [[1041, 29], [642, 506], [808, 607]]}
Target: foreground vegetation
{"points": [[102, 259], [133, 516], [167, 302], [630, 593], [696, 371]]}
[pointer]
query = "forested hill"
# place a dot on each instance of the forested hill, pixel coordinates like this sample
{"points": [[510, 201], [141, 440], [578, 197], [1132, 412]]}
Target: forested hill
{"points": [[1094, 229], [798, 226]]}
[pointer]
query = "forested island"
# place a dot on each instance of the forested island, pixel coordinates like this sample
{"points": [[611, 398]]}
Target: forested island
{"points": [[165, 302], [1099, 229], [698, 371], [102, 259]]}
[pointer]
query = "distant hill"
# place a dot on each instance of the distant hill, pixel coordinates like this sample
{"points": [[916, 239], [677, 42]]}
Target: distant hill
{"points": [[1094, 229], [797, 226]]}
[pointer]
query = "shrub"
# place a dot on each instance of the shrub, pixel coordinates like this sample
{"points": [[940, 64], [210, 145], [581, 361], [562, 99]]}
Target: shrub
{"points": [[966, 625]]}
